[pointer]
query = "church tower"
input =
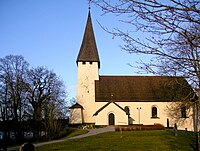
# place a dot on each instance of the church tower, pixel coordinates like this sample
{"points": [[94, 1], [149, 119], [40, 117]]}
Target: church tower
{"points": [[88, 64]]}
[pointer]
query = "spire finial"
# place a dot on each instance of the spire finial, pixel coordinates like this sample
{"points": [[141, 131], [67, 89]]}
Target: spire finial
{"points": [[89, 4]]}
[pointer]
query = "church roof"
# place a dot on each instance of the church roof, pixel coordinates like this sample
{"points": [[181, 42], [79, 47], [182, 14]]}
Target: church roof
{"points": [[76, 106], [88, 51], [142, 88]]}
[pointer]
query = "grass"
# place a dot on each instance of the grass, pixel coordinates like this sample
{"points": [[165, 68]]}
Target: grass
{"points": [[76, 132], [71, 132], [152, 140]]}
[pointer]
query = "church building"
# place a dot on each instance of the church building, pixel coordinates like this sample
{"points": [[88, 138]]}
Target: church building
{"points": [[126, 100]]}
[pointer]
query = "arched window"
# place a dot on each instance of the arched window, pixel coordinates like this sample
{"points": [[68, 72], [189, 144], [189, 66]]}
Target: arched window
{"points": [[183, 112], [127, 110], [154, 112]]}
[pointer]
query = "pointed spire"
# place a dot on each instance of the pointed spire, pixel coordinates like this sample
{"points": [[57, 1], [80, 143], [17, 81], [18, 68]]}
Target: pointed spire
{"points": [[88, 51]]}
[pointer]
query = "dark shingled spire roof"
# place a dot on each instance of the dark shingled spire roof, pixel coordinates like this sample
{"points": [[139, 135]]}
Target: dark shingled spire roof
{"points": [[88, 51]]}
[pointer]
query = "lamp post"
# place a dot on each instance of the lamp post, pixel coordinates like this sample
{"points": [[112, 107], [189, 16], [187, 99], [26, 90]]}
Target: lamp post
{"points": [[139, 108]]}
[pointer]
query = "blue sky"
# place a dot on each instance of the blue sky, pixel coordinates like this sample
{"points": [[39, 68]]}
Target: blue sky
{"points": [[49, 33]]}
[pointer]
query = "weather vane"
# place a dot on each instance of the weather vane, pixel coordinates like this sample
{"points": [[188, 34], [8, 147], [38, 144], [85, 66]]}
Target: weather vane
{"points": [[89, 4]]}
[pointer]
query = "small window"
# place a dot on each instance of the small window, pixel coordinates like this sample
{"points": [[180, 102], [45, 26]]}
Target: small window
{"points": [[83, 62], [90, 62], [183, 112], [154, 112], [127, 110]]}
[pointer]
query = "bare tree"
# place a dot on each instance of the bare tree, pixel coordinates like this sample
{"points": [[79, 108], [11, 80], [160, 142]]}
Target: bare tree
{"points": [[36, 93], [172, 33], [51, 114], [12, 91], [46, 94]]}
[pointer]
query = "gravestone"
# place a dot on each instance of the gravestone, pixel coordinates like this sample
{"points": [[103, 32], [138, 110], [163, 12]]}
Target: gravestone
{"points": [[167, 125], [28, 147], [175, 129]]}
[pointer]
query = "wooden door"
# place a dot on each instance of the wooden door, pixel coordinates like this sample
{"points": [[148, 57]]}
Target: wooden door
{"points": [[111, 119]]}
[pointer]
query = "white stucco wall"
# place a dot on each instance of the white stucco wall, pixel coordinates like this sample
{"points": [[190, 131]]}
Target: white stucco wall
{"points": [[87, 74], [103, 117], [143, 115], [76, 116]]}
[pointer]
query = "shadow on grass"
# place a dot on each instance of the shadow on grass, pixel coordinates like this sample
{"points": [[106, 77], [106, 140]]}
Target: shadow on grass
{"points": [[182, 140]]}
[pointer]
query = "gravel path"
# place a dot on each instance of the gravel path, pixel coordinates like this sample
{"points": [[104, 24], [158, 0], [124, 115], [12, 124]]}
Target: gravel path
{"points": [[90, 133]]}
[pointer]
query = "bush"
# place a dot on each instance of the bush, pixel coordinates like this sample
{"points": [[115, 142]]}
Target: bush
{"points": [[153, 127], [140, 127]]}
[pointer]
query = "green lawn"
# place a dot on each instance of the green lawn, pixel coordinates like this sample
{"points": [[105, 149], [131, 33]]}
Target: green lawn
{"points": [[76, 132], [157, 140]]}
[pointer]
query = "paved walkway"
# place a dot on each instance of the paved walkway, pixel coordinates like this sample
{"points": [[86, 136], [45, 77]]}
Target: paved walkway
{"points": [[90, 133]]}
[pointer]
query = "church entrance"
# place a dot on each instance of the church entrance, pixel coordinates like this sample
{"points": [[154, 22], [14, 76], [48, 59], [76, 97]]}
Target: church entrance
{"points": [[111, 119]]}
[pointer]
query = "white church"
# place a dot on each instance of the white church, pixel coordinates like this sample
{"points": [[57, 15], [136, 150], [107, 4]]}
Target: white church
{"points": [[126, 100]]}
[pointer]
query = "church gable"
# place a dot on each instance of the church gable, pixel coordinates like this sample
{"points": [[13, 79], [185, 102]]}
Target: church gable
{"points": [[142, 88], [103, 107], [111, 114]]}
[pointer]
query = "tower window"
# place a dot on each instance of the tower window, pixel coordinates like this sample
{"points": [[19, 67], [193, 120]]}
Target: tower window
{"points": [[84, 62], [90, 62]]}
